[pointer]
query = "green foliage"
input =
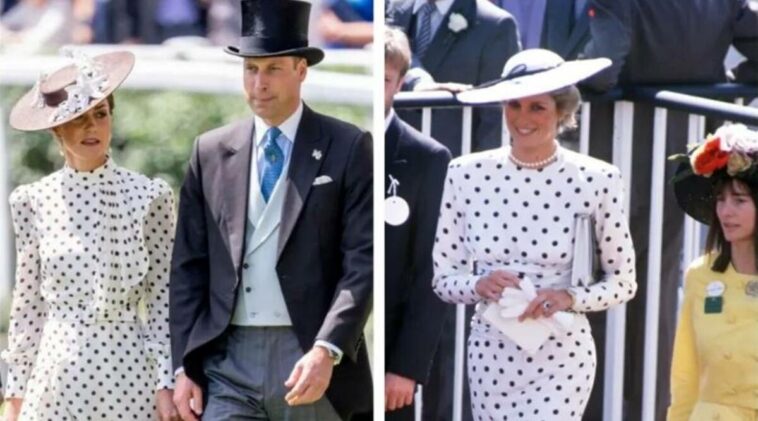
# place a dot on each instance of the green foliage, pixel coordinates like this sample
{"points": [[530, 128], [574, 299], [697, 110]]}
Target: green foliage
{"points": [[153, 131]]}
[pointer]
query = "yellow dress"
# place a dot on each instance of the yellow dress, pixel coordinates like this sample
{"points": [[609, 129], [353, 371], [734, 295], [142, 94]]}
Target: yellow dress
{"points": [[714, 374]]}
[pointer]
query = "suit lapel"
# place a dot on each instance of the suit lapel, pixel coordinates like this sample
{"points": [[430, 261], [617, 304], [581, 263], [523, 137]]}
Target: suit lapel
{"points": [[400, 14], [236, 172], [395, 139], [397, 162], [444, 37], [308, 152], [556, 25], [579, 33]]}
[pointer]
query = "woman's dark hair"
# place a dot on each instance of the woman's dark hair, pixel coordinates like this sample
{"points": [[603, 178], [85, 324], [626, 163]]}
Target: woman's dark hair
{"points": [[111, 103], [716, 243]]}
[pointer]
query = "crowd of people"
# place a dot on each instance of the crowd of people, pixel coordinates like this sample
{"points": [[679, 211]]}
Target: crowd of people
{"points": [[34, 26]]}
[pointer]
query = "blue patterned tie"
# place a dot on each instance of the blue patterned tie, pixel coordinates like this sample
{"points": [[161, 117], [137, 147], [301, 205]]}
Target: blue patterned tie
{"points": [[274, 158], [424, 37]]}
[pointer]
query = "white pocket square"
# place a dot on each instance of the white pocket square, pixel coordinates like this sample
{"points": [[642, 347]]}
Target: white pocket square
{"points": [[323, 179]]}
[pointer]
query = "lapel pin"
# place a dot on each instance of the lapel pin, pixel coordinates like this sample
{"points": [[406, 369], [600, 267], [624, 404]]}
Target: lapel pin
{"points": [[317, 154]]}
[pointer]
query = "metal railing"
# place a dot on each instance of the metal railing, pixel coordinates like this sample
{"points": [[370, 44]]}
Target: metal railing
{"points": [[690, 99], [205, 70]]}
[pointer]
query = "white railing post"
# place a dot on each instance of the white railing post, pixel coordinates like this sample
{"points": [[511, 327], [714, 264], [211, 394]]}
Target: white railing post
{"points": [[652, 303], [426, 121], [506, 134], [613, 391], [418, 403], [460, 309], [6, 238], [692, 228], [584, 129]]}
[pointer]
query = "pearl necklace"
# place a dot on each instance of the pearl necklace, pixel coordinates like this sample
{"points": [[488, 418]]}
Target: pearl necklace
{"points": [[537, 164]]}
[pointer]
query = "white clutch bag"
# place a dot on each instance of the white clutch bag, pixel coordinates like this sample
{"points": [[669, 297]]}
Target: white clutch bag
{"points": [[531, 333], [583, 267]]}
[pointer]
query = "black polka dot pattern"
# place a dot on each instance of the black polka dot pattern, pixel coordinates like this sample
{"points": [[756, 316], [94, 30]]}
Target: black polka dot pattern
{"points": [[554, 384], [89, 335], [496, 215]]}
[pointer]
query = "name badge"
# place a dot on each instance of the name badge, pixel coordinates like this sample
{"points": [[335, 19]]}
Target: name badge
{"points": [[714, 305], [714, 300], [715, 289]]}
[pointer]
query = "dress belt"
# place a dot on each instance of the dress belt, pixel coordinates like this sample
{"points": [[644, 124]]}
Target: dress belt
{"points": [[91, 315]]}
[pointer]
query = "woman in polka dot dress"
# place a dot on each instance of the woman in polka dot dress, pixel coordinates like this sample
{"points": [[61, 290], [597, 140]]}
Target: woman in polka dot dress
{"points": [[88, 336], [510, 213]]}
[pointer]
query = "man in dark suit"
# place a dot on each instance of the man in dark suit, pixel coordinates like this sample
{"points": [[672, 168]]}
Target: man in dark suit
{"points": [[660, 42], [462, 41], [566, 27], [272, 269], [415, 167]]}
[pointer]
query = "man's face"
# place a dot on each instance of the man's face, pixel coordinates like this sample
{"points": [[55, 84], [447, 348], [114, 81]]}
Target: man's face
{"points": [[272, 86], [393, 81]]}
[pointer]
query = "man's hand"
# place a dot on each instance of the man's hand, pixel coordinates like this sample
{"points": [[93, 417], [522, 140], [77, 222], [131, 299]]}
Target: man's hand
{"points": [[310, 377], [398, 391], [188, 398], [441, 86]]}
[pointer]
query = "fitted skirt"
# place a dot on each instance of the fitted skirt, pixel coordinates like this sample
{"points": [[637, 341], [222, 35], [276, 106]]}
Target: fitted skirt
{"points": [[554, 384]]}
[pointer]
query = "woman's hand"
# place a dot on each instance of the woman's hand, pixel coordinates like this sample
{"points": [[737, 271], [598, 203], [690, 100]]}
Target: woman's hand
{"points": [[546, 303], [164, 404], [12, 409], [491, 286]]}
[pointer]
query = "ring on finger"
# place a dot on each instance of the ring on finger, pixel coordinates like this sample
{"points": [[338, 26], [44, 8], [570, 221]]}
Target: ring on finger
{"points": [[546, 305]]}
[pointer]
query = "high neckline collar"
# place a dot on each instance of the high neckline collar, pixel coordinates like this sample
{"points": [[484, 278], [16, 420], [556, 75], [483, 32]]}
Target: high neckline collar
{"points": [[102, 173]]}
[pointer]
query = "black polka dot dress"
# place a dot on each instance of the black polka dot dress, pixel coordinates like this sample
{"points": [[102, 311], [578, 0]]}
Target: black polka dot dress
{"points": [[89, 337], [496, 215]]}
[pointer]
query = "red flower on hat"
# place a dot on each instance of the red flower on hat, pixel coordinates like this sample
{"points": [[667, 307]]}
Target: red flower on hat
{"points": [[709, 157]]}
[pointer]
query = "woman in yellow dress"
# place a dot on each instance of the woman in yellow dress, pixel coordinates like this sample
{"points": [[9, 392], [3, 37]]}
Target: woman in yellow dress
{"points": [[714, 374]]}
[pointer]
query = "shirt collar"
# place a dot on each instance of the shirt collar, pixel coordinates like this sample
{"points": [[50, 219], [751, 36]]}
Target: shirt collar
{"points": [[388, 119], [442, 5], [102, 174], [288, 127]]}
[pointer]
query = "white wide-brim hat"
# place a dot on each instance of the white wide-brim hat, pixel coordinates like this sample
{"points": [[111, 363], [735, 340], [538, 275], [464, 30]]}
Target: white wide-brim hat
{"points": [[533, 72]]}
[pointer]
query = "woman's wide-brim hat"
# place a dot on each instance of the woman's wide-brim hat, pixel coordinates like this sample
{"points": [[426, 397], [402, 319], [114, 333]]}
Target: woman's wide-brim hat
{"points": [[730, 153], [71, 91], [275, 28], [533, 72]]}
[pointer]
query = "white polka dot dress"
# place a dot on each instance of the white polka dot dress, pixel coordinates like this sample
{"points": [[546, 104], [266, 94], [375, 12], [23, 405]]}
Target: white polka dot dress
{"points": [[89, 337], [496, 215]]}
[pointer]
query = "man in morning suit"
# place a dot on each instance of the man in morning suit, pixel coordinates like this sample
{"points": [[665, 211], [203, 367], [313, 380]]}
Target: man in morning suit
{"points": [[272, 269], [415, 167], [462, 41]]}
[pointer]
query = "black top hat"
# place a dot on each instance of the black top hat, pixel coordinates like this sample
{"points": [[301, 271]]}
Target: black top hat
{"points": [[273, 28]]}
